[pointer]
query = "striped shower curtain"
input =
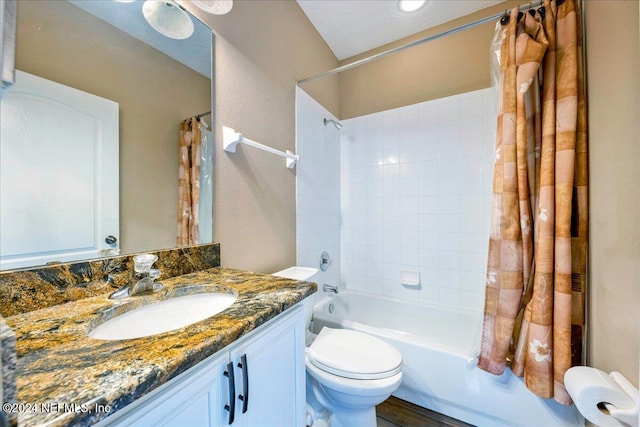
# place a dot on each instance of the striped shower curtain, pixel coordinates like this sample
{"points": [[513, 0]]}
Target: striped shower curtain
{"points": [[189, 182], [536, 270]]}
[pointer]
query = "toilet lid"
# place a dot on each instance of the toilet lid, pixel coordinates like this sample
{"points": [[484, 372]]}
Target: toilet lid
{"points": [[353, 354]]}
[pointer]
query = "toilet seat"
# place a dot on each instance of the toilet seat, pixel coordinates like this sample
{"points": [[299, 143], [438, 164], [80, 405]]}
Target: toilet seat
{"points": [[354, 355]]}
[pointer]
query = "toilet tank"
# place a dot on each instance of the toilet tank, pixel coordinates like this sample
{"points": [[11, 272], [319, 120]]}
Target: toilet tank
{"points": [[307, 274]]}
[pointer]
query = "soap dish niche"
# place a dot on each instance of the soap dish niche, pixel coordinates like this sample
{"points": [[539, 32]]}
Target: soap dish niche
{"points": [[410, 279]]}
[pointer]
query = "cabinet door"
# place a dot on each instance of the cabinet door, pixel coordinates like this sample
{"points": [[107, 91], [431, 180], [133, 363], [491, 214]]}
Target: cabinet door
{"points": [[275, 366], [195, 399]]}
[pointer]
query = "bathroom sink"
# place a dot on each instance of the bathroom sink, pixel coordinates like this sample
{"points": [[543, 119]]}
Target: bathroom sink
{"points": [[171, 313]]}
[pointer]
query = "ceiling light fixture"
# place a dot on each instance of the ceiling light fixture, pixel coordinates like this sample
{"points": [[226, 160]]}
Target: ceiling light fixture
{"points": [[216, 7], [410, 5], [168, 18]]}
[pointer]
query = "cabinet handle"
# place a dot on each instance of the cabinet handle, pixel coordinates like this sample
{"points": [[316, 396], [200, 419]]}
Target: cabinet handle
{"points": [[231, 407], [244, 397]]}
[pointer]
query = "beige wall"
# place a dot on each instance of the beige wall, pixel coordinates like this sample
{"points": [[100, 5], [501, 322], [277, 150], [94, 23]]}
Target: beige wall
{"points": [[262, 49], [447, 66], [62, 43], [613, 79]]}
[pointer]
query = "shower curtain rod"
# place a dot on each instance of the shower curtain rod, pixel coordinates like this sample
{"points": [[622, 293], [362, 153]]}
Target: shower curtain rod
{"points": [[203, 114], [415, 43]]}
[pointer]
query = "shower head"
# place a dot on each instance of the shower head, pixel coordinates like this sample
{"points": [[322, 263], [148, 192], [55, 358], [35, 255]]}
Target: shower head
{"points": [[333, 122]]}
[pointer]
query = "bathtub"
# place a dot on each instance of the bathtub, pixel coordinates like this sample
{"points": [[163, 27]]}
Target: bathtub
{"points": [[439, 346]]}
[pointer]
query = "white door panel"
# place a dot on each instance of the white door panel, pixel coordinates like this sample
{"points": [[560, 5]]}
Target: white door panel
{"points": [[59, 173]]}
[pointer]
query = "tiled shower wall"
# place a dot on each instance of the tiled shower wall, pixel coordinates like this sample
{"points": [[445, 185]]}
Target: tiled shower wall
{"points": [[416, 196], [317, 188]]}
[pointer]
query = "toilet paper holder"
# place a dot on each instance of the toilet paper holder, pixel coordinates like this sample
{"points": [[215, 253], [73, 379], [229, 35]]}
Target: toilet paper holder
{"points": [[622, 411]]}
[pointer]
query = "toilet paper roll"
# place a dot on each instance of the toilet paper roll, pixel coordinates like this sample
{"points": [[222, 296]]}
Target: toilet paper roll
{"points": [[589, 387]]}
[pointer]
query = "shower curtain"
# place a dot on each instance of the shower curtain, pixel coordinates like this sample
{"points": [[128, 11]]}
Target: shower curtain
{"points": [[189, 182], [536, 270]]}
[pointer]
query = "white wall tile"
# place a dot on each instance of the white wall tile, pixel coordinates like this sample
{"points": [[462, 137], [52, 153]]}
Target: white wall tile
{"points": [[448, 111], [428, 116], [449, 145], [473, 242], [409, 126], [428, 240], [472, 262], [448, 260], [472, 106], [410, 256], [471, 204], [472, 146], [449, 223], [415, 188], [392, 288], [449, 278], [472, 300], [409, 188], [358, 252], [450, 185], [430, 294], [391, 128], [428, 258], [473, 126], [449, 204], [449, 241], [374, 157], [376, 285], [428, 188], [392, 254], [359, 267], [450, 297], [409, 206], [428, 149], [319, 190], [409, 171], [472, 281], [358, 283], [392, 272], [449, 132], [409, 153]]}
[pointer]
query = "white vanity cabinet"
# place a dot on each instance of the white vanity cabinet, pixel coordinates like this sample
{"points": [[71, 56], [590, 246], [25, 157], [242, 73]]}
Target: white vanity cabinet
{"points": [[267, 384], [274, 379]]}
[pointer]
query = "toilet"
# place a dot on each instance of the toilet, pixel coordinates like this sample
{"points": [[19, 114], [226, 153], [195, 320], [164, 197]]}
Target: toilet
{"points": [[348, 372]]}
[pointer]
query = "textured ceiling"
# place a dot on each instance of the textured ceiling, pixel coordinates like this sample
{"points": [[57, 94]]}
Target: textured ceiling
{"points": [[351, 27]]}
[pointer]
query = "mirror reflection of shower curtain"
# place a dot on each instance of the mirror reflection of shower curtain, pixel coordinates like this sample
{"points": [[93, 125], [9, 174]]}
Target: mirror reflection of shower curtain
{"points": [[205, 207], [189, 182]]}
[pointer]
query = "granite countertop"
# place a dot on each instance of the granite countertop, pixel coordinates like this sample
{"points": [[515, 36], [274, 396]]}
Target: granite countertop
{"points": [[60, 371]]}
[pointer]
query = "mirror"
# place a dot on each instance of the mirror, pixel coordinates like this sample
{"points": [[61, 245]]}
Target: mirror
{"points": [[107, 49]]}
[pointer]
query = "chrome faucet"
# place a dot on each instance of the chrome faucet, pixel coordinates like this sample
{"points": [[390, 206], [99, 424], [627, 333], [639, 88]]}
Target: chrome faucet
{"points": [[146, 282], [142, 278], [330, 288]]}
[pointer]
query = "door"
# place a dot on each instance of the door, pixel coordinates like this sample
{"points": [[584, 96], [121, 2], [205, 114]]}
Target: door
{"points": [[58, 174], [273, 369], [196, 398], [196, 404]]}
